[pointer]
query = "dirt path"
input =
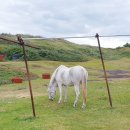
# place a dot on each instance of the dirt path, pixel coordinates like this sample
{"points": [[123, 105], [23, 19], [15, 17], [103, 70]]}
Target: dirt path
{"points": [[19, 94], [115, 74]]}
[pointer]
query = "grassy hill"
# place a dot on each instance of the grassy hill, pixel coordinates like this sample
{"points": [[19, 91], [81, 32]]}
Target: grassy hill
{"points": [[60, 50]]}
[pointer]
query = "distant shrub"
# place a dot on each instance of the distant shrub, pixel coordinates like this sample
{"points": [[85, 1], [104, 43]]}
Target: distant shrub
{"points": [[126, 45], [118, 47], [32, 54], [125, 54], [12, 51]]}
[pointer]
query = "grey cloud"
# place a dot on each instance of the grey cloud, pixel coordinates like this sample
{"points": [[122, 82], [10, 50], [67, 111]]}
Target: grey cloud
{"points": [[65, 17]]}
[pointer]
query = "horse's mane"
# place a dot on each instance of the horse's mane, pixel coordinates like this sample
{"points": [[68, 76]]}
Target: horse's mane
{"points": [[54, 74]]}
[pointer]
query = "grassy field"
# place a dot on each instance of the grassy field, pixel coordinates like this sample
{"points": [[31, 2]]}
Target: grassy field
{"points": [[15, 105]]}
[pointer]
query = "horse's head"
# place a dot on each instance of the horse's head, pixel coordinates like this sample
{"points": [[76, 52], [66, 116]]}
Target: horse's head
{"points": [[52, 91]]}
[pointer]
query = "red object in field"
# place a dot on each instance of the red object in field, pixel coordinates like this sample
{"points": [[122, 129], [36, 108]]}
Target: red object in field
{"points": [[17, 80], [46, 76], [2, 57]]}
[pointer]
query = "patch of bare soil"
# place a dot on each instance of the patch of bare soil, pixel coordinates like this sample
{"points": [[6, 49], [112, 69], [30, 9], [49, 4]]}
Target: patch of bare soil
{"points": [[113, 74], [32, 76], [42, 67], [18, 94]]}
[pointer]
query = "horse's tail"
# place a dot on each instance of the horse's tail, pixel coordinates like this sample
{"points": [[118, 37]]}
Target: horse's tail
{"points": [[84, 84]]}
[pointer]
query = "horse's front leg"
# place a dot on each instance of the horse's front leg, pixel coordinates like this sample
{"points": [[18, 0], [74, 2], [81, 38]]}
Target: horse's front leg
{"points": [[60, 91], [77, 91], [65, 93]]}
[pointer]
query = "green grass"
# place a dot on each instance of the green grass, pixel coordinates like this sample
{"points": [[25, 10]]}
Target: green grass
{"points": [[6, 73], [16, 113]]}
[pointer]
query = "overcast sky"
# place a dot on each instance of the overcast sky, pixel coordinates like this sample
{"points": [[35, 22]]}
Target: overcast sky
{"points": [[55, 18]]}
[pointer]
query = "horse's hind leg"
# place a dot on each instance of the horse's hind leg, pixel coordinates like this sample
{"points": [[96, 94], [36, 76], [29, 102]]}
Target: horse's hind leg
{"points": [[77, 91], [84, 90]]}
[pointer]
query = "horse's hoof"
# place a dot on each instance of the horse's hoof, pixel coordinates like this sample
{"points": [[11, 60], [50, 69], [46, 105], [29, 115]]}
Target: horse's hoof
{"points": [[59, 102], [51, 99], [65, 101], [83, 106], [74, 105]]}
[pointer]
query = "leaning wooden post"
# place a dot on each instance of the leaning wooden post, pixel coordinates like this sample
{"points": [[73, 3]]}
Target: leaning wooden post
{"points": [[21, 42], [103, 65]]}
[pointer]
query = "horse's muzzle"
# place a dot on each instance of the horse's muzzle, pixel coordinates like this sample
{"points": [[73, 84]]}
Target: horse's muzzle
{"points": [[51, 99]]}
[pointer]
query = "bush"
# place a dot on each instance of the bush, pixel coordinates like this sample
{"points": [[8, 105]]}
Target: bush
{"points": [[12, 50], [32, 55], [126, 45]]}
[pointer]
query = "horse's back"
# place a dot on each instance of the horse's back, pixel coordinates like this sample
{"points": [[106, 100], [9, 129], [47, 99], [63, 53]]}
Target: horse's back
{"points": [[78, 73], [78, 70], [74, 74]]}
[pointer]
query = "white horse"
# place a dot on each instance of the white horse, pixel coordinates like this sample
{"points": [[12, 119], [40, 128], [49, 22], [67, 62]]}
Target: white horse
{"points": [[64, 76]]}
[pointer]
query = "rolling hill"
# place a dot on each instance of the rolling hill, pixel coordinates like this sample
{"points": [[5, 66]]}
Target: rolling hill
{"points": [[60, 50]]}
